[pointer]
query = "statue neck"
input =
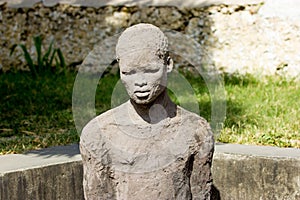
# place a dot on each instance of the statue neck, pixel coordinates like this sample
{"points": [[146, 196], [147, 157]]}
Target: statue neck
{"points": [[161, 108]]}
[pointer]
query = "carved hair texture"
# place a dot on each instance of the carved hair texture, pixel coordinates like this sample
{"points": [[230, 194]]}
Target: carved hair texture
{"points": [[140, 37]]}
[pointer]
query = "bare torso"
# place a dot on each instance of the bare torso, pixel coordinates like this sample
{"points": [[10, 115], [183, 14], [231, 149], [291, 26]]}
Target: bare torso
{"points": [[131, 158]]}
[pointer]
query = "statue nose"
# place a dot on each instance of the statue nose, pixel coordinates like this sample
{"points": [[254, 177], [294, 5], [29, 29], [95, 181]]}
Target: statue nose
{"points": [[140, 81]]}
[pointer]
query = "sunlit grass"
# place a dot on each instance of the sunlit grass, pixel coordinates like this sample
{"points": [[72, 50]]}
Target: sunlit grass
{"points": [[263, 112], [37, 112], [258, 111]]}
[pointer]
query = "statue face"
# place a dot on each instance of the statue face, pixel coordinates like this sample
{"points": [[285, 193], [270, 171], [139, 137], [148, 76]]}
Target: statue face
{"points": [[144, 76]]}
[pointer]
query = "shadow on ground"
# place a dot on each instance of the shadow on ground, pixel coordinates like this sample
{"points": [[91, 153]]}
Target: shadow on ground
{"points": [[69, 151]]}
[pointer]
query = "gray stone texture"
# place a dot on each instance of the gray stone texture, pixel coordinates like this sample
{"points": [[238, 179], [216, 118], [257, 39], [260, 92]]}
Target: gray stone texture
{"points": [[232, 35], [148, 147], [99, 3], [251, 177], [54, 173], [240, 172], [151, 168]]}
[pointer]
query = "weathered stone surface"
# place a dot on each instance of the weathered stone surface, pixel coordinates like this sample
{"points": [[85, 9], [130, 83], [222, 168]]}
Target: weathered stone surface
{"points": [[256, 45], [235, 169], [54, 173], [275, 8], [257, 172], [91, 3], [148, 147], [43, 183], [148, 168], [232, 35]]}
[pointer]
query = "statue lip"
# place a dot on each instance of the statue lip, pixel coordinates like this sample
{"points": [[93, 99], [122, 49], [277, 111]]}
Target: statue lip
{"points": [[142, 93]]}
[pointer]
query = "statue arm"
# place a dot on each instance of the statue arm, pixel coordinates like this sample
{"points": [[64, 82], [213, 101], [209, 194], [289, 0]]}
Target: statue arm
{"points": [[97, 182], [201, 177]]}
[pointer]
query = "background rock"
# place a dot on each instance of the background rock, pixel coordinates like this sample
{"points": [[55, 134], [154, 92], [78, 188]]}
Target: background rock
{"points": [[234, 38]]}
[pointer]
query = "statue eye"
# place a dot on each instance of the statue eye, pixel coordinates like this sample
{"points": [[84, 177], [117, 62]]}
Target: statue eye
{"points": [[128, 72], [152, 70]]}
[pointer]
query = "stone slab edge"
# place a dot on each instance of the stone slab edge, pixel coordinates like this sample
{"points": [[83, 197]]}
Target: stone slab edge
{"points": [[56, 173], [39, 159], [100, 3], [70, 153]]}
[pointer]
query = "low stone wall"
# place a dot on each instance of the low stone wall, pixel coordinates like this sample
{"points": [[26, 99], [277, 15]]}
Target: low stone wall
{"points": [[234, 36], [245, 172], [54, 173], [240, 172]]}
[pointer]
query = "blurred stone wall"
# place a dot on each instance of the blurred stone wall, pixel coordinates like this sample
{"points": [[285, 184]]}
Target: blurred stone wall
{"points": [[235, 37]]}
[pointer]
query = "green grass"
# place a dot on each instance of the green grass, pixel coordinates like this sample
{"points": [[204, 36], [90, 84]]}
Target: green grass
{"points": [[37, 112], [262, 112]]}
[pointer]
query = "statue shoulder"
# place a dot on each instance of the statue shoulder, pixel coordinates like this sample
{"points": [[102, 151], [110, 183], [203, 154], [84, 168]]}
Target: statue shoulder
{"points": [[99, 124], [197, 125], [190, 117]]}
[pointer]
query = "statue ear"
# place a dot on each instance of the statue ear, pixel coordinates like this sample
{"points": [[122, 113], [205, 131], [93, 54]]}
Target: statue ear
{"points": [[169, 65]]}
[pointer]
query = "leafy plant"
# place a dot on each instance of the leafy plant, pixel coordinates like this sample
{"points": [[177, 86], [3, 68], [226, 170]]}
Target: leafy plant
{"points": [[51, 60]]}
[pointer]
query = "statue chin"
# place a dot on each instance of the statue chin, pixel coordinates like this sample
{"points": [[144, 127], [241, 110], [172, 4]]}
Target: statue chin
{"points": [[141, 101]]}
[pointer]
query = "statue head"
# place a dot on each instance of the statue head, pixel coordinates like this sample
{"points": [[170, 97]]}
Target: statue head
{"points": [[143, 56]]}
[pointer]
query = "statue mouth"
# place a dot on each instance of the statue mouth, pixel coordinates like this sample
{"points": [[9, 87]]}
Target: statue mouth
{"points": [[142, 94]]}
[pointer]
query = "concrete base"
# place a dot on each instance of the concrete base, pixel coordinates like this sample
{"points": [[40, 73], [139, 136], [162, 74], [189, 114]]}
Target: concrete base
{"points": [[240, 172], [257, 172], [54, 173]]}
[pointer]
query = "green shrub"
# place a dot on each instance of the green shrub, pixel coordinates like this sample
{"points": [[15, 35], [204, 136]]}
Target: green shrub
{"points": [[51, 61]]}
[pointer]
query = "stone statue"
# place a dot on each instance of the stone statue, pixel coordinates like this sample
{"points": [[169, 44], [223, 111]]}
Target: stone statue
{"points": [[148, 147]]}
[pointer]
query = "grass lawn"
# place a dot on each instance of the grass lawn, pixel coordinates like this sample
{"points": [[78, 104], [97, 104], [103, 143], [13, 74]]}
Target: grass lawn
{"points": [[262, 112], [37, 112]]}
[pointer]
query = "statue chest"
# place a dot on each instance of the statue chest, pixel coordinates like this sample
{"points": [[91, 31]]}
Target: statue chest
{"points": [[154, 165]]}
